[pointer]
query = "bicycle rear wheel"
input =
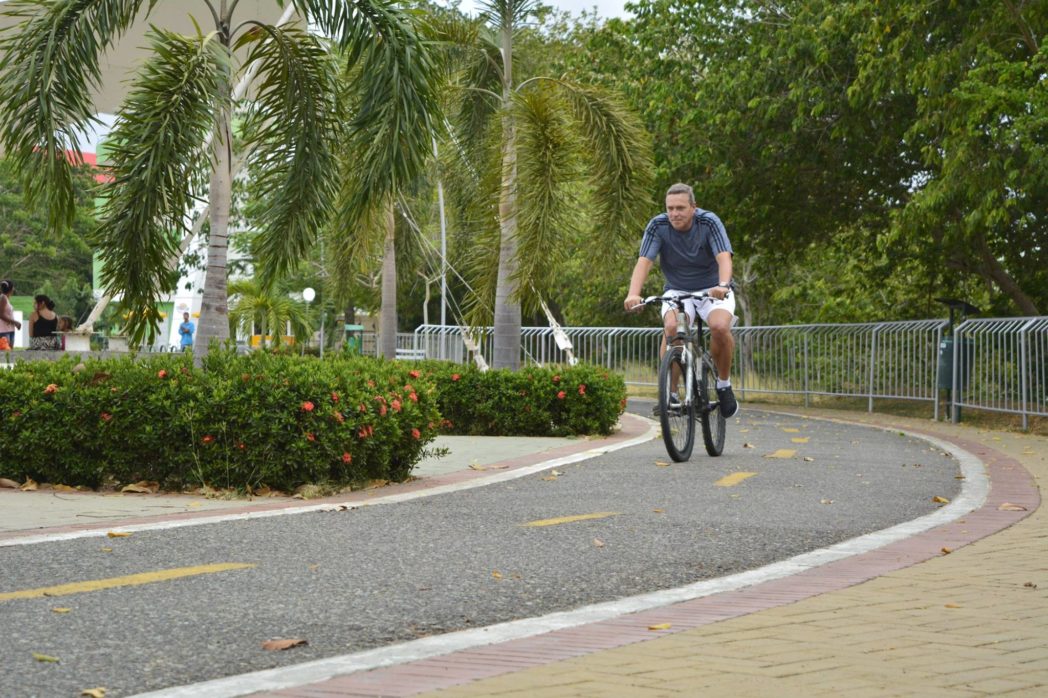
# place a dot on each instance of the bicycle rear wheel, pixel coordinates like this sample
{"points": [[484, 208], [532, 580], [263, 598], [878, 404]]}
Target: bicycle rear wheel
{"points": [[713, 422], [676, 412]]}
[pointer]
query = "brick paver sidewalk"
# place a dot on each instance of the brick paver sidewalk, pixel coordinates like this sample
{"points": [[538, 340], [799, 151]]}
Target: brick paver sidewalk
{"points": [[936, 615]]}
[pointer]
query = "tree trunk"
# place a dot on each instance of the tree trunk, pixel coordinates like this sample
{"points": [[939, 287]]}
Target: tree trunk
{"points": [[992, 269], [387, 342], [506, 353], [214, 306]]}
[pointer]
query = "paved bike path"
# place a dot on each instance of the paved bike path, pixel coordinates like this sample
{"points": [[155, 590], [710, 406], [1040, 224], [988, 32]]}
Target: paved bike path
{"points": [[770, 436]]}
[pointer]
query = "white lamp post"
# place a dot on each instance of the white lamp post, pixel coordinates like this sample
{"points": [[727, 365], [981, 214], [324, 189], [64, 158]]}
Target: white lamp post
{"points": [[308, 294]]}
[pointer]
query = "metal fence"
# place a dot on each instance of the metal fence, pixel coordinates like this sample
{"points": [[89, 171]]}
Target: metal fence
{"points": [[988, 364], [1001, 364]]}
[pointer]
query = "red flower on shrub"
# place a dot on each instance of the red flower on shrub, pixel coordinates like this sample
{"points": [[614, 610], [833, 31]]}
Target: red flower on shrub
{"points": [[16, 414], [245, 377], [561, 395], [334, 398], [365, 431], [339, 418], [395, 405], [347, 458], [241, 445], [582, 389], [307, 406], [363, 408], [556, 378], [105, 416], [414, 374], [371, 383], [413, 396], [382, 410], [51, 389], [310, 436], [415, 433], [455, 376], [446, 423], [409, 388], [207, 439], [161, 374]]}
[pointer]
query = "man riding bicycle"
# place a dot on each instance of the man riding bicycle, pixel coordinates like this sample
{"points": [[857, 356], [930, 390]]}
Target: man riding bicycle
{"points": [[695, 255]]}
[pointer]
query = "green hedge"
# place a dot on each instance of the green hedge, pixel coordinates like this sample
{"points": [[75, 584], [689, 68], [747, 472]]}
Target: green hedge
{"points": [[275, 419], [534, 401], [238, 421]]}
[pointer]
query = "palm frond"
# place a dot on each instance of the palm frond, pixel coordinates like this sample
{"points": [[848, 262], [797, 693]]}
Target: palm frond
{"points": [[621, 162], [269, 309], [156, 147], [49, 68], [290, 129], [548, 156], [508, 13], [396, 86]]}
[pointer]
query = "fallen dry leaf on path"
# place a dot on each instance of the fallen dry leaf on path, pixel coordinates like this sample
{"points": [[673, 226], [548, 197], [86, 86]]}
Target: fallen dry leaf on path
{"points": [[277, 645], [142, 487], [64, 488], [809, 459], [660, 626], [29, 485], [1008, 506], [8, 484], [61, 610], [946, 551], [118, 534], [597, 542], [496, 574], [951, 605], [93, 692], [748, 445], [45, 658], [662, 463]]}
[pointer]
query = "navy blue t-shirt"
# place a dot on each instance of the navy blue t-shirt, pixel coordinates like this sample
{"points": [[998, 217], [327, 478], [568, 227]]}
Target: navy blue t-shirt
{"points": [[688, 260]]}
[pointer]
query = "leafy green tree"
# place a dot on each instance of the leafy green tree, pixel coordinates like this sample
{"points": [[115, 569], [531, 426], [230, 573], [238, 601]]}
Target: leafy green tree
{"points": [[55, 263], [556, 155], [269, 310], [174, 131]]}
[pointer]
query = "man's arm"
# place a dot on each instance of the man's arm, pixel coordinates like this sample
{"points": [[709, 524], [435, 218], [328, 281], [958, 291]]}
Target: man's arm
{"points": [[724, 271], [640, 275]]}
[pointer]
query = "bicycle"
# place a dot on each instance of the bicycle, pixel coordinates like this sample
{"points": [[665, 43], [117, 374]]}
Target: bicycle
{"points": [[688, 386]]}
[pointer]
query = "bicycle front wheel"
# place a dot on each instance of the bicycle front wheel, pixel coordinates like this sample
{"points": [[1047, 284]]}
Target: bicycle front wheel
{"points": [[676, 411], [713, 422]]}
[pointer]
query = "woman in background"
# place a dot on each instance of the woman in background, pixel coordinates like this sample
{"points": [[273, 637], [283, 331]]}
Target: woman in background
{"points": [[8, 324], [42, 325]]}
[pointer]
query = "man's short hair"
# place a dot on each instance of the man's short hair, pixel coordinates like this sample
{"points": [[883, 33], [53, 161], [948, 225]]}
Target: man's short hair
{"points": [[680, 188]]}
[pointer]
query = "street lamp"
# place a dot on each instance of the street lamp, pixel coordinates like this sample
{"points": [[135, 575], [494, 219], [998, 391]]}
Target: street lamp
{"points": [[308, 294]]}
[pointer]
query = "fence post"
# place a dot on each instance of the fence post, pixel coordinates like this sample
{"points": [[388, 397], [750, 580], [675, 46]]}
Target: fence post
{"points": [[873, 366], [1024, 374], [807, 392]]}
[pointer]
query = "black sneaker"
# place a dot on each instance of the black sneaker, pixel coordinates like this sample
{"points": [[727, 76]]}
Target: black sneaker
{"points": [[729, 406]]}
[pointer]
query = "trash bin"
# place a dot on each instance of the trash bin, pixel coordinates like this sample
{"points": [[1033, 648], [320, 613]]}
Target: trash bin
{"points": [[946, 363], [354, 338]]}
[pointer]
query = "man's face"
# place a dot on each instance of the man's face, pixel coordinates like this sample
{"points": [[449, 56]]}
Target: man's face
{"points": [[680, 210], [185, 316]]}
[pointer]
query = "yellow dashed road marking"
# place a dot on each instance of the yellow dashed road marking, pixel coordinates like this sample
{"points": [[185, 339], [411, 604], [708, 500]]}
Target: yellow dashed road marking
{"points": [[782, 453], [733, 479], [129, 580], [571, 519], [790, 430], [799, 439]]}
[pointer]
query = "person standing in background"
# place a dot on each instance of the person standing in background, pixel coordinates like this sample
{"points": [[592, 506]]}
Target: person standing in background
{"points": [[186, 330], [8, 324], [42, 325]]}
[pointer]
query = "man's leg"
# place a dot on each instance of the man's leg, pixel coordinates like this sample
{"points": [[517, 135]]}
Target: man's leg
{"points": [[722, 346], [722, 343]]}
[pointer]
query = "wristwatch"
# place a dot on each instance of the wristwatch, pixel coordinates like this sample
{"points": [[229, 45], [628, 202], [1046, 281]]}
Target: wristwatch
{"points": [[725, 284]]}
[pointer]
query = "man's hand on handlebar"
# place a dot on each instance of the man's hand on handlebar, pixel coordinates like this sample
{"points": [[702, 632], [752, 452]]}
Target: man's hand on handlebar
{"points": [[719, 292], [633, 304]]}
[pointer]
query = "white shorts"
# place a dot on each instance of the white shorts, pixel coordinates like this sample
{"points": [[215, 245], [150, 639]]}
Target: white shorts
{"points": [[703, 307]]}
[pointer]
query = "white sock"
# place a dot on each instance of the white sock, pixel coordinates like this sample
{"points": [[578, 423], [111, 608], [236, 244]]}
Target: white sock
{"points": [[723, 383]]}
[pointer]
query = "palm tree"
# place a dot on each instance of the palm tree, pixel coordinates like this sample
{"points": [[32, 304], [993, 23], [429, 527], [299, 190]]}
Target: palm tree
{"points": [[173, 136], [560, 144], [268, 309]]}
